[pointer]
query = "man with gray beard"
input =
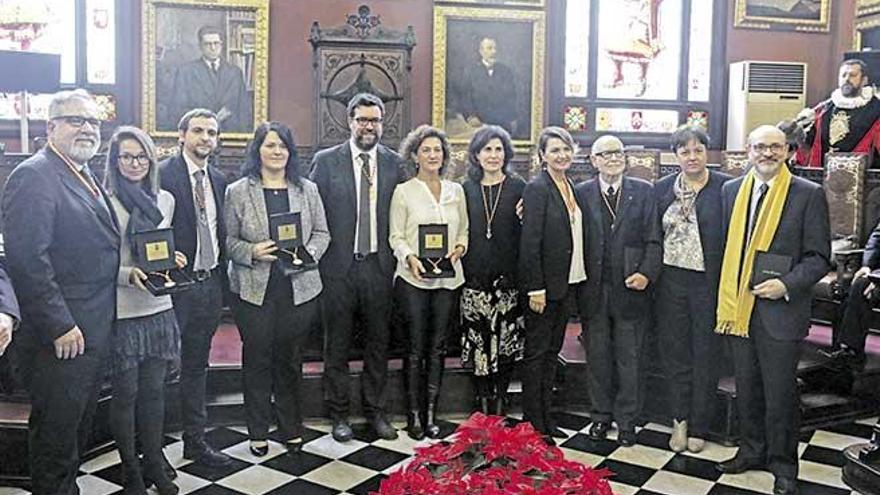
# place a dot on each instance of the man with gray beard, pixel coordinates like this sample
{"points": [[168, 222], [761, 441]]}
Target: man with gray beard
{"points": [[62, 250]]}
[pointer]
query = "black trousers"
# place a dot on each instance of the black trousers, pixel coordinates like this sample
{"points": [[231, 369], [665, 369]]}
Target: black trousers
{"points": [[545, 333], [198, 314], [364, 293], [63, 398], [688, 344], [614, 357], [853, 327], [273, 337], [138, 405], [767, 398], [427, 312]]}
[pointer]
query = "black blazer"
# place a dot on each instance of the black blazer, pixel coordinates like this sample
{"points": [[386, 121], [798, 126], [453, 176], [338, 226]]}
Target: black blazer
{"points": [[62, 252], [637, 227], [545, 243], [708, 208], [871, 256], [8, 301], [174, 178], [332, 171], [804, 233]]}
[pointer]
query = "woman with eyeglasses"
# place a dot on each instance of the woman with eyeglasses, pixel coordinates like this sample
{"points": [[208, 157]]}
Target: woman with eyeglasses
{"points": [[689, 206], [275, 307], [146, 340], [552, 272], [491, 311], [427, 201]]}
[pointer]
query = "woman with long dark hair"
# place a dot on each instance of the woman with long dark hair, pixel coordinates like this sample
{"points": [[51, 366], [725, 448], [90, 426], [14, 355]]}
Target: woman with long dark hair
{"points": [[427, 303], [274, 310], [491, 313], [146, 340]]}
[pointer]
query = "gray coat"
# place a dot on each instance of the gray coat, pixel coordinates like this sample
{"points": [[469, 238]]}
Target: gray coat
{"points": [[247, 223]]}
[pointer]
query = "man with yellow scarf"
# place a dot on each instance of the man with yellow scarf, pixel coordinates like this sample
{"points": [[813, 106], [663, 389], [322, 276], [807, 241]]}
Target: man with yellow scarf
{"points": [[769, 211]]}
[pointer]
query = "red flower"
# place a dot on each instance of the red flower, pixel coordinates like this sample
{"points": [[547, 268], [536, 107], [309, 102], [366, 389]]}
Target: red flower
{"points": [[485, 457]]}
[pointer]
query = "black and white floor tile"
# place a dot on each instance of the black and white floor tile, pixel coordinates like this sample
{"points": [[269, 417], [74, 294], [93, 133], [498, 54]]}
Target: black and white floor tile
{"points": [[326, 467]]}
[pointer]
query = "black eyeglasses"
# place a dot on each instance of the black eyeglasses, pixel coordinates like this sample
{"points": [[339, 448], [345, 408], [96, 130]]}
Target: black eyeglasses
{"points": [[775, 147], [364, 121], [78, 121], [610, 154], [128, 159]]}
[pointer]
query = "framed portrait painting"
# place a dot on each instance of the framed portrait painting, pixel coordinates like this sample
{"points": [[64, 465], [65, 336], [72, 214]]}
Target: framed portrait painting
{"points": [[784, 15], [866, 33], [488, 69], [867, 7], [205, 54]]}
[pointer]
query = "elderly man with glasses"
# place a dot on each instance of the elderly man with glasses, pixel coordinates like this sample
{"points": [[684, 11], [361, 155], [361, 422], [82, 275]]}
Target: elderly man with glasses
{"points": [[62, 249]]}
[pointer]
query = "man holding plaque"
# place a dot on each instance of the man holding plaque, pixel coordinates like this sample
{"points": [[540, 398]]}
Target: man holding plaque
{"points": [[356, 180], [623, 258], [62, 250], [199, 231], [778, 247]]}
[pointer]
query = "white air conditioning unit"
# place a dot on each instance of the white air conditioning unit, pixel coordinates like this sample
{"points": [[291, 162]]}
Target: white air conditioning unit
{"points": [[762, 93]]}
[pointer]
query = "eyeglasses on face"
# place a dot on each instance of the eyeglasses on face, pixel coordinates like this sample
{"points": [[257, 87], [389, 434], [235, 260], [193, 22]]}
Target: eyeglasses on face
{"points": [[128, 159], [365, 121], [763, 148], [610, 154], [79, 121]]}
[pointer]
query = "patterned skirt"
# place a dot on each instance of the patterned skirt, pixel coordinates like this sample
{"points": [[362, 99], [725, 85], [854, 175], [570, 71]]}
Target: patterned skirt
{"points": [[493, 329], [153, 336]]}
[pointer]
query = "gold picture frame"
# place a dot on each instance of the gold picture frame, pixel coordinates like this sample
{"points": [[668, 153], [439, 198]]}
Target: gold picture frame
{"points": [[866, 27], [176, 67], [867, 7], [458, 102], [499, 3], [755, 14]]}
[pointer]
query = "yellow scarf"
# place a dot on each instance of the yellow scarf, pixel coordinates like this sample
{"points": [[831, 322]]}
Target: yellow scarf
{"points": [[735, 299]]}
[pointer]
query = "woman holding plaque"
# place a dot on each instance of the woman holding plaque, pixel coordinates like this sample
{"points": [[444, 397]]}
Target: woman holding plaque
{"points": [[551, 271], [275, 278], [689, 206], [146, 340], [491, 314], [429, 235]]}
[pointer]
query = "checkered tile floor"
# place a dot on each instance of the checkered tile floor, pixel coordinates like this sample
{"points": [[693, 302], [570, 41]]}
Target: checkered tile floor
{"points": [[357, 467]]}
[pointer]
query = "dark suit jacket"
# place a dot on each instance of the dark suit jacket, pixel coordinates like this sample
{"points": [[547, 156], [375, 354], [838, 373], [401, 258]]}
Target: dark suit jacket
{"points": [[8, 301], [196, 86], [62, 252], [332, 171], [491, 98], [804, 233], [637, 227], [175, 179], [871, 256], [708, 208], [545, 243]]}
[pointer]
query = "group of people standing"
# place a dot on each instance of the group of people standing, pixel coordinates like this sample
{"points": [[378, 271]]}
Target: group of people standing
{"points": [[522, 257]]}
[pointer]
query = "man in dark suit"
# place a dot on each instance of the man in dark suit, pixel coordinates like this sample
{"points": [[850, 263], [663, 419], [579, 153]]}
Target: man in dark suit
{"points": [[623, 241], [489, 91], [213, 83], [356, 179], [62, 250], [9, 312], [765, 319], [200, 234]]}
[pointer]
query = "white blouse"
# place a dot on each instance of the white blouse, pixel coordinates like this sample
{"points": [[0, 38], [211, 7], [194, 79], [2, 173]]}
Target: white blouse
{"points": [[412, 205]]}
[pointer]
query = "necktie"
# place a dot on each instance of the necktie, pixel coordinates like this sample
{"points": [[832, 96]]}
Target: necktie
{"points": [[205, 257], [363, 239], [762, 193], [611, 196]]}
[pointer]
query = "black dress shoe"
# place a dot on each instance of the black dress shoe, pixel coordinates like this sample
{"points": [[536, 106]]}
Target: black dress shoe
{"points": [[294, 446], [383, 429], [259, 450], [785, 486], [626, 438], [599, 430], [739, 465], [200, 452], [342, 431]]}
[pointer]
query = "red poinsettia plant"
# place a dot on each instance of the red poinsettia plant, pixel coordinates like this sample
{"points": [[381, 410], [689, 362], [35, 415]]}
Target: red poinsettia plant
{"points": [[486, 457]]}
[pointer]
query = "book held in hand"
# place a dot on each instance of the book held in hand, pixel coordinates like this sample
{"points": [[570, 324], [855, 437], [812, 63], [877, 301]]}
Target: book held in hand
{"points": [[768, 266]]}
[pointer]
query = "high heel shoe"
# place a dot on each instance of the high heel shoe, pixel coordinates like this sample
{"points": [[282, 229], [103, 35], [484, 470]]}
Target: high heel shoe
{"points": [[294, 445], [157, 476], [259, 448], [432, 430], [414, 428]]}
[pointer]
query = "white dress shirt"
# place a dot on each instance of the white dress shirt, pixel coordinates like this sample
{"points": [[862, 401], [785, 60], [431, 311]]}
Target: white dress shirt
{"points": [[374, 188], [210, 209]]}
